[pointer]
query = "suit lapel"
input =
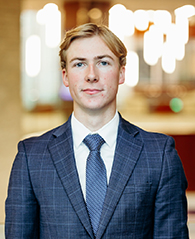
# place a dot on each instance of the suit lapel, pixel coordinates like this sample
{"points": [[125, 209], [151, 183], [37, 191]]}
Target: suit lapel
{"points": [[61, 149], [126, 155]]}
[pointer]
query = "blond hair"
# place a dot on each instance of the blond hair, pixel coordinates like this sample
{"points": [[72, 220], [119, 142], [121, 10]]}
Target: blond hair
{"points": [[89, 30]]}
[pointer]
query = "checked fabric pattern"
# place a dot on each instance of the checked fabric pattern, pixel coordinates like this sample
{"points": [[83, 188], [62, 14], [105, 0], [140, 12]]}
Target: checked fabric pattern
{"points": [[96, 179]]}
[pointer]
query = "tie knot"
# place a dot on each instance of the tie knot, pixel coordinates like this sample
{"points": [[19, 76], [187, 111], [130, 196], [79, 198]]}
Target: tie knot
{"points": [[93, 141]]}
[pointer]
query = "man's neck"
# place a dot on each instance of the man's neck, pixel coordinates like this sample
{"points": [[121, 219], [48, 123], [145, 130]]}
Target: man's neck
{"points": [[94, 120]]}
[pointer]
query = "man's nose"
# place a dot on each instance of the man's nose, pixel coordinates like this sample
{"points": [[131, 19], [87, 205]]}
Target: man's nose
{"points": [[92, 74]]}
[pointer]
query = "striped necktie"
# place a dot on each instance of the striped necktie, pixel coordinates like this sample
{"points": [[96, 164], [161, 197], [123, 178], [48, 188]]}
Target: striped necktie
{"points": [[96, 179]]}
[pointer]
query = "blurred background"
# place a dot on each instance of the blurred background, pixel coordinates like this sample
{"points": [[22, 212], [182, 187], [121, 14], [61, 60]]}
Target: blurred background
{"points": [[159, 93]]}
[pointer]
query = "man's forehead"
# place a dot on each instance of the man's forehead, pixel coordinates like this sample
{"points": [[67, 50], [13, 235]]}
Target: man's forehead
{"points": [[88, 42], [89, 47]]}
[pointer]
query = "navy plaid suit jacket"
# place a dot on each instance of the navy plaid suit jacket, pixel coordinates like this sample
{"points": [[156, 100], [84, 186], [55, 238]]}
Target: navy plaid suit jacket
{"points": [[145, 198]]}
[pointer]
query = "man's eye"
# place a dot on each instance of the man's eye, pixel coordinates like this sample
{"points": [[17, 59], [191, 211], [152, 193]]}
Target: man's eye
{"points": [[104, 63], [79, 64]]}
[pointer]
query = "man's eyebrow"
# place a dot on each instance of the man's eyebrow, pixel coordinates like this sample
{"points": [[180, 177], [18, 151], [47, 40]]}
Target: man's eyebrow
{"points": [[77, 59], [97, 57], [104, 56]]}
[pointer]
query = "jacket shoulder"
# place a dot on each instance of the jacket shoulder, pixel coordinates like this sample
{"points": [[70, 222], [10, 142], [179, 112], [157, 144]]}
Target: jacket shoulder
{"points": [[144, 135], [41, 141]]}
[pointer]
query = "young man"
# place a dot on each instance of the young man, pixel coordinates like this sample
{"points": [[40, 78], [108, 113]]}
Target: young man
{"points": [[141, 189]]}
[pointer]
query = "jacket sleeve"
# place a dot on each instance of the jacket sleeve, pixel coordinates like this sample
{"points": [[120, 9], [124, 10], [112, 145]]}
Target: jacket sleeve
{"points": [[170, 215], [21, 206]]}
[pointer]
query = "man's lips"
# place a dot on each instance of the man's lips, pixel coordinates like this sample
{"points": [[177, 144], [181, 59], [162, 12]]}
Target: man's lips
{"points": [[92, 91]]}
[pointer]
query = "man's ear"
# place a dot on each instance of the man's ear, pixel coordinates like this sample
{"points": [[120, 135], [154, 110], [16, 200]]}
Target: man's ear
{"points": [[122, 75], [65, 77]]}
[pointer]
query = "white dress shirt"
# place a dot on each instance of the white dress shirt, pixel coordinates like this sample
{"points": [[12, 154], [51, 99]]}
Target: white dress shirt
{"points": [[108, 132]]}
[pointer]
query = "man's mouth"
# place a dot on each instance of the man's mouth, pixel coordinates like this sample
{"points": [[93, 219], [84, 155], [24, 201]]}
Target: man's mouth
{"points": [[92, 91]]}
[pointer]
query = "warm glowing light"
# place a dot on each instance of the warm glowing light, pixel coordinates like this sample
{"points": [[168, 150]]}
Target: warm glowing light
{"points": [[117, 24], [174, 39], [182, 14], [40, 17], [168, 59], [82, 15], [158, 39], [153, 42], [162, 19], [116, 9], [50, 8], [132, 69], [182, 25], [185, 11], [163, 39], [129, 22], [141, 19], [95, 13], [150, 56], [33, 56], [151, 15], [179, 49], [50, 16]]}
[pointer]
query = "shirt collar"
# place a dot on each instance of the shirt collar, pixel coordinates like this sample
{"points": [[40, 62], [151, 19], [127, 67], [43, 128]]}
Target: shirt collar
{"points": [[108, 132]]}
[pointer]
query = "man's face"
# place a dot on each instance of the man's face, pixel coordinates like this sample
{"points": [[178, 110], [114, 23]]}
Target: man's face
{"points": [[92, 75]]}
